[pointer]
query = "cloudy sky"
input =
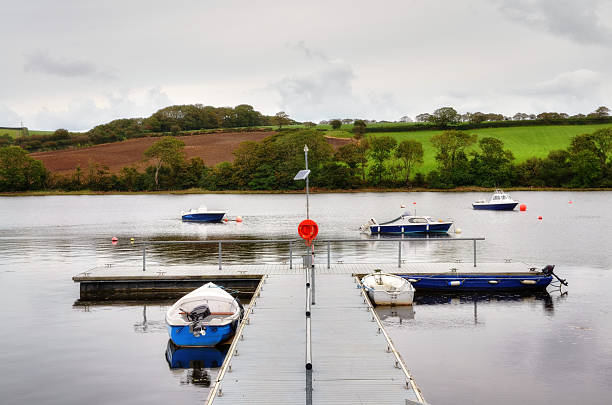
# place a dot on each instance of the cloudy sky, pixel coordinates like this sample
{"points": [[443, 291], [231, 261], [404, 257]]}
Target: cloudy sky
{"points": [[75, 64]]}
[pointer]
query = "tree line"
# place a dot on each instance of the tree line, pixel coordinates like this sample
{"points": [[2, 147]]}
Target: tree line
{"points": [[371, 162]]}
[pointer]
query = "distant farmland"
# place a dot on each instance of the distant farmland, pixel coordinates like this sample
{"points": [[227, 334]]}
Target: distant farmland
{"points": [[524, 142]]}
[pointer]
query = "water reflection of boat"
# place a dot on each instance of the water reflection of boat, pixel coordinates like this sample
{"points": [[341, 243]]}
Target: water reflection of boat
{"points": [[395, 314], [202, 214], [195, 357], [499, 201], [388, 289], [206, 316]]}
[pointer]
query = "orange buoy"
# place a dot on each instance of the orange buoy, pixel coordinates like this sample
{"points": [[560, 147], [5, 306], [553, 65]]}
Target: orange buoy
{"points": [[523, 207], [540, 217], [238, 218], [114, 240]]}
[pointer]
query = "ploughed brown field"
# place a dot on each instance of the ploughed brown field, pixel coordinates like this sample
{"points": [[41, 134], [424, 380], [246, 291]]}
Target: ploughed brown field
{"points": [[212, 148]]}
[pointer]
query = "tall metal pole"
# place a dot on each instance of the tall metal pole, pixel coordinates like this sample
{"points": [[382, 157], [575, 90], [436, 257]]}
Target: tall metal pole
{"points": [[306, 158]]}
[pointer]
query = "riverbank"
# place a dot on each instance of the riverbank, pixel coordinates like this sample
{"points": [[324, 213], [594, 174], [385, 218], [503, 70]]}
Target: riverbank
{"points": [[312, 191]]}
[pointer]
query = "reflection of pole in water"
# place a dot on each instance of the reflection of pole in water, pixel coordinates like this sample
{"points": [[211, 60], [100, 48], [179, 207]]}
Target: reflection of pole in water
{"points": [[143, 326], [475, 311]]}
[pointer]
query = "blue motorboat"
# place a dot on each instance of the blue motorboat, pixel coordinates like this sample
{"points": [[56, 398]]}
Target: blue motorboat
{"points": [[454, 281], [499, 201], [406, 224], [202, 214], [205, 317]]}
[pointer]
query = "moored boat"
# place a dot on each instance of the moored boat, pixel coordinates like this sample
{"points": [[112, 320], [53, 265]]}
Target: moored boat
{"points": [[405, 224], [499, 201], [388, 289], [202, 214], [455, 281], [206, 317]]}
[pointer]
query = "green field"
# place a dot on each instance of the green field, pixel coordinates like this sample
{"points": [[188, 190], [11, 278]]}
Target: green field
{"points": [[17, 132], [524, 142]]}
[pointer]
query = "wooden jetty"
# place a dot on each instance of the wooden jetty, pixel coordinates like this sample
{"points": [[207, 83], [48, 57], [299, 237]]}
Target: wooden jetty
{"points": [[310, 334]]}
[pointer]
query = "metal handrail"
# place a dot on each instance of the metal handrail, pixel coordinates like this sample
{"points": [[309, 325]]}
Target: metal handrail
{"points": [[292, 241], [391, 347], [232, 349]]}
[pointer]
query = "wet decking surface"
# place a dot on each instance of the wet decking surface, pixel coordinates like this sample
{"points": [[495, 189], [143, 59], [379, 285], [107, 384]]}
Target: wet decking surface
{"points": [[350, 356]]}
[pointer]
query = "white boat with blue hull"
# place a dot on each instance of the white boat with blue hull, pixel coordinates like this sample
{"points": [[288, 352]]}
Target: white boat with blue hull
{"points": [[499, 201], [406, 224], [205, 317], [202, 214]]}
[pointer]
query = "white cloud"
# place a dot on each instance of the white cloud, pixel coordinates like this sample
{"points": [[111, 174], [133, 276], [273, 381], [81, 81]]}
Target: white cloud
{"points": [[84, 114]]}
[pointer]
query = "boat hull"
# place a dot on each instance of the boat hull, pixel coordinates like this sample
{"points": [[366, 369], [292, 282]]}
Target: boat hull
{"points": [[391, 298], [479, 282], [439, 227], [214, 335], [495, 207], [204, 217]]}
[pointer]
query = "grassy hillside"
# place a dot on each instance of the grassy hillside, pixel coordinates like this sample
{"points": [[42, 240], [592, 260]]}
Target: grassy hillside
{"points": [[17, 132], [524, 142]]}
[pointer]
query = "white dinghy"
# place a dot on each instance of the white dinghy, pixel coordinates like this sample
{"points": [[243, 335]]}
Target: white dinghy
{"points": [[388, 289]]}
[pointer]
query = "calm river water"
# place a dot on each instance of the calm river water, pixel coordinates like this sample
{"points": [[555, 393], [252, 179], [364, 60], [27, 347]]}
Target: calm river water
{"points": [[547, 348]]}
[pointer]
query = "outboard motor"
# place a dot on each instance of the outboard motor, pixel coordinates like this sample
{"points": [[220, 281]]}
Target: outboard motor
{"points": [[548, 270], [197, 316]]}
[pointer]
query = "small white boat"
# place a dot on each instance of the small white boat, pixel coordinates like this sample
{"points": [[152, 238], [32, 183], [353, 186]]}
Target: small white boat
{"points": [[499, 201], [406, 224], [388, 289], [206, 316]]}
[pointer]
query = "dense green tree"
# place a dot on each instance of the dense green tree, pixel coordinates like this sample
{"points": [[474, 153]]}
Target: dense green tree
{"points": [[359, 128], [281, 118], [410, 153], [20, 172], [449, 145], [167, 151], [380, 150], [492, 167], [444, 116], [335, 124]]}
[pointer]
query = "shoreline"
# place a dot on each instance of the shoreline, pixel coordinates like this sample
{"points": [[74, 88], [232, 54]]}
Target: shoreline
{"points": [[312, 191]]}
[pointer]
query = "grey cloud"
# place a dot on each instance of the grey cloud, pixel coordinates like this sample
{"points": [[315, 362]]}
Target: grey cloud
{"points": [[329, 93], [301, 47], [578, 21], [40, 62]]}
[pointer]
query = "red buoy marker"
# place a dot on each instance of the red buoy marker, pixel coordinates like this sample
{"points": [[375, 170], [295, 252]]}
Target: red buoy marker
{"points": [[540, 217], [523, 207], [114, 240]]}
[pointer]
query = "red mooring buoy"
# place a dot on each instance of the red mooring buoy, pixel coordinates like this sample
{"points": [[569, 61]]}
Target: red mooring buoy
{"points": [[540, 217], [114, 240], [523, 207], [569, 202]]}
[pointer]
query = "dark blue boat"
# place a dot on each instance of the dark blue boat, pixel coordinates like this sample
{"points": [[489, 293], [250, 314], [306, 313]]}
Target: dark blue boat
{"points": [[406, 224], [479, 282], [499, 201], [202, 215], [454, 281]]}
